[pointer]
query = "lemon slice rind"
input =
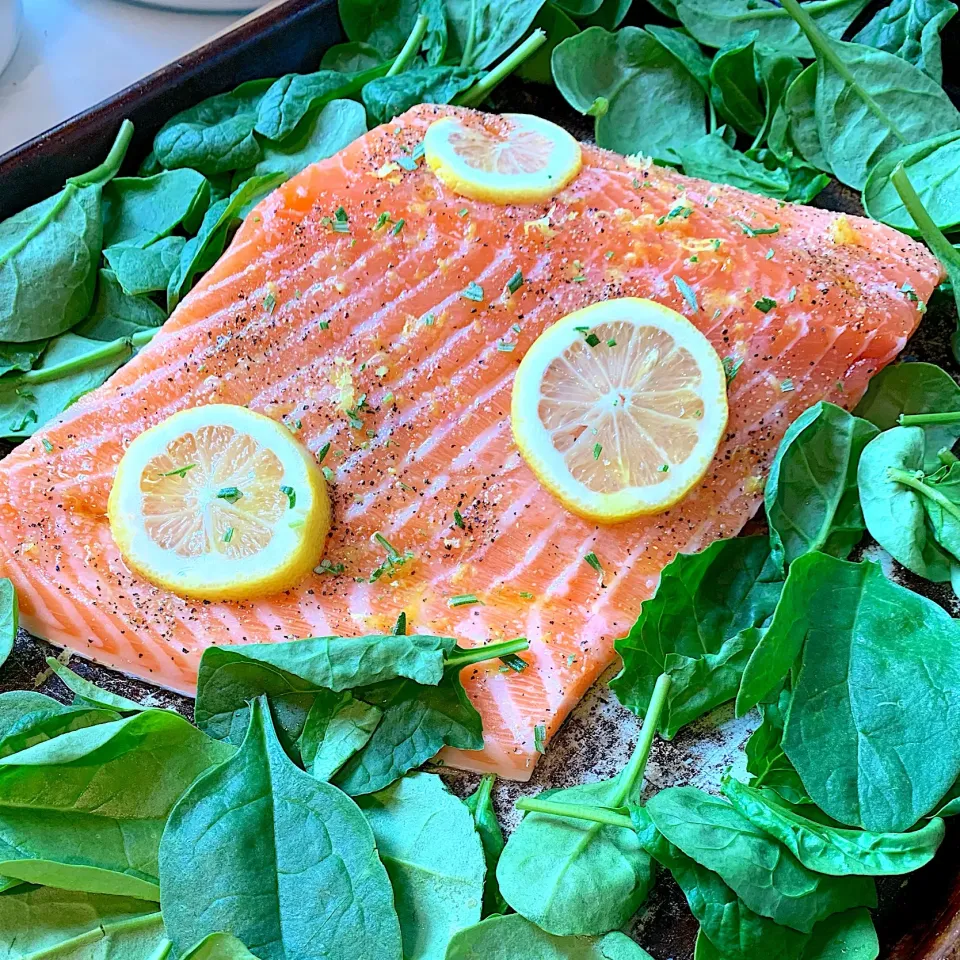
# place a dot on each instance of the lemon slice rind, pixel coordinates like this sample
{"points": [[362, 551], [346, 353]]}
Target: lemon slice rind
{"points": [[548, 464], [496, 186], [298, 535]]}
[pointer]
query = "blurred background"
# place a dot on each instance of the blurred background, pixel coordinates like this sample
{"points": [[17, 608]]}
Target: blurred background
{"points": [[58, 57]]}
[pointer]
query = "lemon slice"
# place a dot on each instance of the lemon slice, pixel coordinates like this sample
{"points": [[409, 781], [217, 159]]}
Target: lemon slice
{"points": [[530, 162], [219, 503], [619, 408]]}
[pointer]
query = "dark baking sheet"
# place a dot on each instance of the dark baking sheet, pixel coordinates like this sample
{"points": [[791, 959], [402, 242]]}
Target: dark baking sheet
{"points": [[918, 916]]}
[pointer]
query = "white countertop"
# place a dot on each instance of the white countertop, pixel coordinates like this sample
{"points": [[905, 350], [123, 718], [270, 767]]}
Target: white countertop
{"points": [[73, 53]]}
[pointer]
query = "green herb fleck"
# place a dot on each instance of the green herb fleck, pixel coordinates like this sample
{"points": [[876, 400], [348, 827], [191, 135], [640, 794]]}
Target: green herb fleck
{"points": [[757, 231], [731, 366], [230, 494], [400, 627], [324, 450], [394, 558], [765, 304], [506, 347], [769, 255], [328, 474], [792, 295], [327, 567], [291, 495], [526, 594], [539, 733], [47, 445], [592, 339], [515, 663], [179, 471], [228, 536], [472, 291], [340, 215], [664, 468], [397, 227], [515, 282], [458, 519], [597, 447], [269, 303], [786, 385], [608, 255], [408, 163], [686, 291], [909, 292], [324, 324], [429, 319], [680, 210], [462, 212], [382, 221], [463, 600], [594, 562]]}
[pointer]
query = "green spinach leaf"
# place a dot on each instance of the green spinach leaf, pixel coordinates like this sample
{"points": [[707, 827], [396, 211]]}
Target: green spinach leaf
{"points": [[718, 22], [514, 938], [140, 210], [285, 862], [49, 254], [576, 877], [798, 133], [70, 367], [318, 136], [833, 850], [43, 923], [297, 95], [704, 607], [844, 936], [337, 726], [811, 494], [766, 762], [291, 674], [141, 270], [427, 841], [480, 31], [911, 29], [914, 388], [351, 57], [869, 102], [712, 158], [480, 805], [88, 694], [734, 89], [893, 503], [115, 314], [9, 617], [764, 875], [219, 946], [846, 728], [62, 826], [389, 96], [932, 167], [557, 26], [386, 25], [645, 100], [15, 357], [202, 251], [216, 135]]}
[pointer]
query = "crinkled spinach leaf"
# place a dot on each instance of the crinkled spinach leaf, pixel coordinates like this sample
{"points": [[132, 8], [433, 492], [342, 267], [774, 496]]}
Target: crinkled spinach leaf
{"points": [[480, 805]]}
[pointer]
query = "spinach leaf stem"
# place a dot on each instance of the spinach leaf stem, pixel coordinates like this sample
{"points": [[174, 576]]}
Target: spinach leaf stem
{"points": [[411, 47], [107, 352], [909, 479], [486, 84], [919, 419], [491, 651]]}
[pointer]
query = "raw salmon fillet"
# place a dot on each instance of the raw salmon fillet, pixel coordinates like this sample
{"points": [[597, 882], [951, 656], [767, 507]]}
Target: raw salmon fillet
{"points": [[302, 322]]}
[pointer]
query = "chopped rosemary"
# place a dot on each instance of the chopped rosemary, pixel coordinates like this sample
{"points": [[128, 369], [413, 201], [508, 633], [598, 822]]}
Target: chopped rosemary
{"points": [[291, 495], [417, 152], [179, 471], [731, 366], [757, 231], [382, 221], [515, 282], [769, 255], [792, 295], [515, 663], [594, 562], [47, 445], [611, 342], [686, 291], [408, 163], [327, 567], [228, 536], [472, 291], [340, 226], [462, 212], [909, 292], [269, 303], [592, 339], [400, 627], [787, 385], [394, 558], [324, 450], [463, 600], [765, 304], [526, 594], [340, 215], [680, 210], [328, 474], [397, 227], [429, 319], [539, 733], [597, 447], [506, 347], [230, 494], [458, 519]]}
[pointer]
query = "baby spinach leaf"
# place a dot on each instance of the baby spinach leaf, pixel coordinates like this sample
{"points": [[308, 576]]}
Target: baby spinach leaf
{"points": [[712, 158], [703, 603], [417, 721], [116, 314], [219, 946], [869, 102], [139, 210], [351, 57], [292, 673], [894, 510], [735, 931], [914, 388], [480, 32], [147, 269], [844, 936], [766, 761], [49, 254], [386, 25], [718, 22], [202, 251], [15, 705], [580, 8], [438, 884], [846, 729], [577, 877], [216, 135], [336, 727], [20, 356], [764, 875], [799, 115], [685, 49], [64, 827], [834, 850], [285, 862], [9, 616], [480, 805], [734, 90], [644, 99], [44, 724], [811, 494], [88, 694], [389, 96], [515, 938], [558, 27], [70, 367], [45, 923], [318, 136], [932, 167], [296, 95], [911, 29]]}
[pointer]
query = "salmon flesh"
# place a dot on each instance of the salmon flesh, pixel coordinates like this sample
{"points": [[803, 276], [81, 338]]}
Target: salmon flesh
{"points": [[365, 341]]}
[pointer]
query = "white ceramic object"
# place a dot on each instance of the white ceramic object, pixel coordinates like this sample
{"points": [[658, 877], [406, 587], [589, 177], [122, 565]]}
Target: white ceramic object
{"points": [[201, 6], [11, 21]]}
